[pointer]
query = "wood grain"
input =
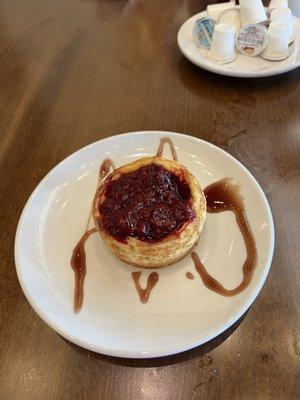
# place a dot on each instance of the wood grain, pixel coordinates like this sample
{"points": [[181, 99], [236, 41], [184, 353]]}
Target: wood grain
{"points": [[72, 72]]}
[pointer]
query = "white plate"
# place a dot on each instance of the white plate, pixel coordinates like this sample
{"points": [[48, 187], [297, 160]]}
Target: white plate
{"points": [[181, 313], [242, 66]]}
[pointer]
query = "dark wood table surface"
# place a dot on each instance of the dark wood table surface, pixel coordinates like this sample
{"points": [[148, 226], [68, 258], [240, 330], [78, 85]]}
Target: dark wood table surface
{"points": [[73, 72]]}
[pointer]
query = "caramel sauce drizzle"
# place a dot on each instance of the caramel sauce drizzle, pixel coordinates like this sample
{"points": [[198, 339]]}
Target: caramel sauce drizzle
{"points": [[144, 293], [105, 168], [161, 146], [78, 264], [220, 196], [224, 196], [189, 275], [78, 259]]}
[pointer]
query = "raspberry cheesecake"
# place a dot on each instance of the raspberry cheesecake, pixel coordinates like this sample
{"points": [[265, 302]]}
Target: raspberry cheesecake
{"points": [[150, 212]]}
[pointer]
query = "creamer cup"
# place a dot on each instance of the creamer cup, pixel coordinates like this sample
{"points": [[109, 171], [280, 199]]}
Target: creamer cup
{"points": [[214, 10], [284, 15], [231, 16], [252, 12], [222, 47], [278, 43]]}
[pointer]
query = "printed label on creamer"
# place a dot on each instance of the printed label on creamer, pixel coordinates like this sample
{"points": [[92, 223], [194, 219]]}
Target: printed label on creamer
{"points": [[203, 32], [251, 39]]}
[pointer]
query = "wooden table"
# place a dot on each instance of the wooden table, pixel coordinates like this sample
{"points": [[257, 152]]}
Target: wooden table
{"points": [[73, 72]]}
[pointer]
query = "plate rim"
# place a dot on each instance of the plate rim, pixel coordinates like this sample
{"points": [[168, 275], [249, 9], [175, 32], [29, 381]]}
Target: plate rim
{"points": [[157, 352], [217, 69]]}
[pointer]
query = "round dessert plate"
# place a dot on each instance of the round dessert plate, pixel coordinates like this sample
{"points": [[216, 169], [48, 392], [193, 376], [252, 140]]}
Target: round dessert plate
{"points": [[180, 313], [243, 66]]}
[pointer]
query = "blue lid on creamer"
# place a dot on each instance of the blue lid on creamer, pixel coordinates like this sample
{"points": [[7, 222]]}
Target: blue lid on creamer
{"points": [[203, 32]]}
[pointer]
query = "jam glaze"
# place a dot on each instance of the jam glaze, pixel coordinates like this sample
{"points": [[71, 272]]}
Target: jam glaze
{"points": [[161, 146], [152, 280], [224, 196], [149, 204], [78, 259]]}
